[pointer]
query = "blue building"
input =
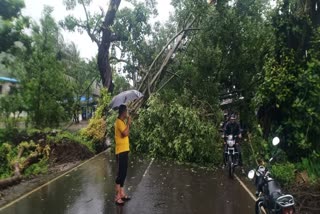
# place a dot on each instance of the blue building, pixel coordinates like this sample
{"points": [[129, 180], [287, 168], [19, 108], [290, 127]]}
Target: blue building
{"points": [[6, 84]]}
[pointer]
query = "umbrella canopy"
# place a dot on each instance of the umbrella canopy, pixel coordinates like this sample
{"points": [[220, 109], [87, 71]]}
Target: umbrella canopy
{"points": [[125, 97]]}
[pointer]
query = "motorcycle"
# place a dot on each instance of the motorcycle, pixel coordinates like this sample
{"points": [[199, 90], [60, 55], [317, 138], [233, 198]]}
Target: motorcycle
{"points": [[268, 191], [231, 154]]}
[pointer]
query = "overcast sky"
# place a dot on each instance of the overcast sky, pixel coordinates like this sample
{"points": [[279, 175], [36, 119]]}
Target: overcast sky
{"points": [[87, 48]]}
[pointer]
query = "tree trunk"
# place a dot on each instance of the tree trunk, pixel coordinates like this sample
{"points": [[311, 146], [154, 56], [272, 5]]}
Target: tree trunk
{"points": [[103, 61], [107, 38], [33, 158], [149, 82], [16, 179], [150, 85], [4, 183]]}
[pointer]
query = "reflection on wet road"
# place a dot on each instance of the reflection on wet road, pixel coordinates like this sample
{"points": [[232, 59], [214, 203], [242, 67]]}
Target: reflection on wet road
{"points": [[166, 188]]}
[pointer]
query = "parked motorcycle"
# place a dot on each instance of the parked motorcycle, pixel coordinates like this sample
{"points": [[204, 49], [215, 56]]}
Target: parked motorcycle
{"points": [[268, 191], [232, 155]]}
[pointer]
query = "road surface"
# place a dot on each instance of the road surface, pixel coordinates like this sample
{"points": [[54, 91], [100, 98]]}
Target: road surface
{"points": [[156, 187]]}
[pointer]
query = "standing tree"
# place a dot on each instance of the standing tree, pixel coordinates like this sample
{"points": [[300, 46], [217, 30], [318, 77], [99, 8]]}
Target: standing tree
{"points": [[99, 28], [125, 33], [43, 83], [11, 23], [12, 37], [288, 97]]}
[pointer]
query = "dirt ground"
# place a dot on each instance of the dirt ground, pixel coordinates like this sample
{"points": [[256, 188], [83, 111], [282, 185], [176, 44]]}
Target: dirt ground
{"points": [[307, 198]]}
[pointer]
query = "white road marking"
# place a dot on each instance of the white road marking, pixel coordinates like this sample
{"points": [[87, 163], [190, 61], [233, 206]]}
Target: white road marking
{"points": [[246, 188], [248, 191], [49, 182], [145, 173]]}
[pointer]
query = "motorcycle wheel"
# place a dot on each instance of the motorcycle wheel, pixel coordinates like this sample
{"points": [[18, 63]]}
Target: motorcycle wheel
{"points": [[260, 211], [230, 167]]}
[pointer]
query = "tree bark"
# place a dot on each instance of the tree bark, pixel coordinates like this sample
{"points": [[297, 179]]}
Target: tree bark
{"points": [[107, 38], [4, 183], [33, 158], [152, 84], [16, 179]]}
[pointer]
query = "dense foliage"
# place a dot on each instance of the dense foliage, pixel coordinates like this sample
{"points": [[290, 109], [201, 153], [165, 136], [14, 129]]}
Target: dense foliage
{"points": [[284, 173], [51, 75], [172, 130], [289, 96]]}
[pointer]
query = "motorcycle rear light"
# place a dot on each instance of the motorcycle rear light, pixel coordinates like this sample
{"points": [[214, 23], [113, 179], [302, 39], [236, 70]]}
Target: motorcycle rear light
{"points": [[288, 210]]}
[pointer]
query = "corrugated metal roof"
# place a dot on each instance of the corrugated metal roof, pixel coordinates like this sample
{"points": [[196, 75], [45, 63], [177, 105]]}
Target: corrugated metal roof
{"points": [[7, 79]]}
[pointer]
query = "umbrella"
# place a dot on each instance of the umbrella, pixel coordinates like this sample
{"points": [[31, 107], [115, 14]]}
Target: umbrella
{"points": [[125, 97]]}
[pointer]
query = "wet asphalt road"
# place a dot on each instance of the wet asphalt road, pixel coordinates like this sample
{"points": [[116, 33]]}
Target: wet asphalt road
{"points": [[155, 187]]}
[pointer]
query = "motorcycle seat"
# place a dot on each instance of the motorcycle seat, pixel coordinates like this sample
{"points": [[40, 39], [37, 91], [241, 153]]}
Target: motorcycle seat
{"points": [[275, 195], [274, 189]]}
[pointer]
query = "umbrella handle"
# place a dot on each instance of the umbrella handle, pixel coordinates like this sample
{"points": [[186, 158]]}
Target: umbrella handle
{"points": [[129, 112]]}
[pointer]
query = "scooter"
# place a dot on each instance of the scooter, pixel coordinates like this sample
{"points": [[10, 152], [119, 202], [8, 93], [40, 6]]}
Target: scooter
{"points": [[268, 191]]}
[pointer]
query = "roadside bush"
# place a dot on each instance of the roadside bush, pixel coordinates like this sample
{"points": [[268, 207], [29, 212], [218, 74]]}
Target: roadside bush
{"points": [[104, 101], [96, 129], [8, 134], [312, 166], [174, 131], [7, 153], [37, 168], [284, 172]]}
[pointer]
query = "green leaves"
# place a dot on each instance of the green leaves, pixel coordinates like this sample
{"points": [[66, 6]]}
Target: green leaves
{"points": [[70, 23], [71, 4], [174, 131], [38, 168], [44, 91], [10, 8], [290, 89], [284, 173], [7, 153], [312, 166]]}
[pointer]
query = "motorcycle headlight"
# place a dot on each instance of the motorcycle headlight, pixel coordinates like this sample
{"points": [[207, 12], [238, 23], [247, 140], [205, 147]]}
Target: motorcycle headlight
{"points": [[261, 169], [230, 143]]}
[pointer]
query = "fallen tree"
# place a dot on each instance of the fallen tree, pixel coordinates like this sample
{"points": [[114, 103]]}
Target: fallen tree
{"points": [[19, 168], [4, 183], [50, 150], [158, 68]]}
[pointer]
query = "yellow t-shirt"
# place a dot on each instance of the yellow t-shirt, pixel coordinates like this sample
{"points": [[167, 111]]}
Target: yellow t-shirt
{"points": [[122, 143]]}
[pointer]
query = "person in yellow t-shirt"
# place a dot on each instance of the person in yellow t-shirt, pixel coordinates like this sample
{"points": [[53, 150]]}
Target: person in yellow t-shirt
{"points": [[121, 129]]}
